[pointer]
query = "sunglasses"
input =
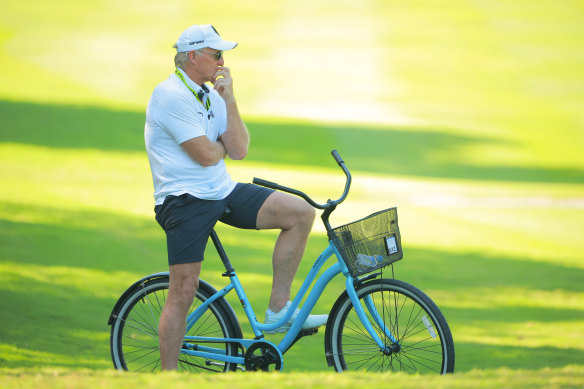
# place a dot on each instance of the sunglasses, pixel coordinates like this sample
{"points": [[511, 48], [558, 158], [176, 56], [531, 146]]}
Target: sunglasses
{"points": [[218, 54]]}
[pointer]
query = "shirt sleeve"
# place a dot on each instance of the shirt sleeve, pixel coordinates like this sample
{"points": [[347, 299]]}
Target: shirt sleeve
{"points": [[179, 117]]}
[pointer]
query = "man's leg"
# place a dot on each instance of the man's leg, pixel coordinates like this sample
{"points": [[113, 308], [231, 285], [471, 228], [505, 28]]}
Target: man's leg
{"points": [[294, 217], [184, 281]]}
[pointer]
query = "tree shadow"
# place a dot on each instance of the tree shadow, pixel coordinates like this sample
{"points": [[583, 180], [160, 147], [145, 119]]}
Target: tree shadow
{"points": [[474, 269], [485, 356], [102, 241], [383, 149]]}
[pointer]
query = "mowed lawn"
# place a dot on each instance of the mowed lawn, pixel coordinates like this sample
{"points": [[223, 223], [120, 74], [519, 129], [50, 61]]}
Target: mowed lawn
{"points": [[466, 116]]}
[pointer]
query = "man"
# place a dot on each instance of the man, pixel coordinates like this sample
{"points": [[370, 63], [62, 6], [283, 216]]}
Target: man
{"points": [[190, 129]]}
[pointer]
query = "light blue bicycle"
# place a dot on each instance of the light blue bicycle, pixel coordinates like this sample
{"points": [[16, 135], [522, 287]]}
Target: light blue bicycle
{"points": [[378, 324]]}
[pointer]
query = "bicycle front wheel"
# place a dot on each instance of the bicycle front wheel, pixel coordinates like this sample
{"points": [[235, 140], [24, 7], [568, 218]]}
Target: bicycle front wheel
{"points": [[134, 334], [423, 339]]}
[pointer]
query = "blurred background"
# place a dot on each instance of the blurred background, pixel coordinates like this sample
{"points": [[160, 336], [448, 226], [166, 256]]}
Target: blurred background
{"points": [[466, 115]]}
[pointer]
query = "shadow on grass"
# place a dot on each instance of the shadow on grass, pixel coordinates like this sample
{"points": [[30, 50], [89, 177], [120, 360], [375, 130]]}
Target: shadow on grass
{"points": [[434, 269], [482, 356], [390, 150], [58, 320], [106, 241]]}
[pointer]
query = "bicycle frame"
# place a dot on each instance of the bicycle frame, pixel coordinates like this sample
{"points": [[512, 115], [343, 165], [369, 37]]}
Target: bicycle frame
{"points": [[258, 327], [358, 316]]}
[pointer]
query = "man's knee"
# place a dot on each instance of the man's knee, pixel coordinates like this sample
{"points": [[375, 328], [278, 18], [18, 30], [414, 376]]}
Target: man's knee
{"points": [[184, 282], [183, 292], [285, 212], [307, 213], [299, 213]]}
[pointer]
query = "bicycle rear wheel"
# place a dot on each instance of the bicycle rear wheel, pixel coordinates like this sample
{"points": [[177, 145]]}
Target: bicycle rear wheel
{"points": [[134, 334], [424, 341]]}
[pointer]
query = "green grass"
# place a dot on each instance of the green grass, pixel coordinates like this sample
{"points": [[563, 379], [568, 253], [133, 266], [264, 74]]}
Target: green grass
{"points": [[566, 377], [467, 116]]}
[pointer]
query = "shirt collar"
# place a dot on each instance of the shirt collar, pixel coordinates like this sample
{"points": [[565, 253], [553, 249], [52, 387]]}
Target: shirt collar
{"points": [[192, 84]]}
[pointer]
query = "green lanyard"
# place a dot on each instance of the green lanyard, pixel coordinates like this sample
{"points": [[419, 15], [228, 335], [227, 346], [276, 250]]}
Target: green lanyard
{"points": [[207, 105]]}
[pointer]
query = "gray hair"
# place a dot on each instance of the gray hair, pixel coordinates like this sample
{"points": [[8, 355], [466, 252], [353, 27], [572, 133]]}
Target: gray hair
{"points": [[181, 59]]}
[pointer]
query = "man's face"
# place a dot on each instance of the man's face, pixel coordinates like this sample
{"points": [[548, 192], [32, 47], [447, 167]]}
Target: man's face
{"points": [[209, 61]]}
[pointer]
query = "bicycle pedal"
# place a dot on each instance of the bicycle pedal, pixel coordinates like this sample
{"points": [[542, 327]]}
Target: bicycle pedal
{"points": [[308, 332], [303, 333]]}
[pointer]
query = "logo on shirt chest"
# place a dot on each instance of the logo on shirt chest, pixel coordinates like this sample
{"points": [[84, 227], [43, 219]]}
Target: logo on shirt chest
{"points": [[210, 115]]}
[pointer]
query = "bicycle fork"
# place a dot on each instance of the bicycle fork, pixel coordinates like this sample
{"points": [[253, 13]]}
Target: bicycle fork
{"points": [[351, 291]]}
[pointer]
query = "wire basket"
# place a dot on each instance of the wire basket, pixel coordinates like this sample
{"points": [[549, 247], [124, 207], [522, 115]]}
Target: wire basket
{"points": [[370, 243]]}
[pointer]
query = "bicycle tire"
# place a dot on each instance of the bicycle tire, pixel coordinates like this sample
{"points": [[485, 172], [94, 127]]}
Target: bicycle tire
{"points": [[134, 333], [424, 338]]}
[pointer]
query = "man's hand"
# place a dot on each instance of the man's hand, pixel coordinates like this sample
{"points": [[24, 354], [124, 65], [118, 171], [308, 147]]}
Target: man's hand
{"points": [[236, 138], [223, 83]]}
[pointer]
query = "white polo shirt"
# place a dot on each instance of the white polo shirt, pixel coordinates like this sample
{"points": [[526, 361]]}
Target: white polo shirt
{"points": [[173, 116]]}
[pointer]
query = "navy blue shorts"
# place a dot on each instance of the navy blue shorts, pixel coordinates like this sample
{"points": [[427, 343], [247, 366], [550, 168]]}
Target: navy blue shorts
{"points": [[188, 220]]}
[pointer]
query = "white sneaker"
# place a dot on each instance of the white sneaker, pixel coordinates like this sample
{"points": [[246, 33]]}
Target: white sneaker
{"points": [[312, 321]]}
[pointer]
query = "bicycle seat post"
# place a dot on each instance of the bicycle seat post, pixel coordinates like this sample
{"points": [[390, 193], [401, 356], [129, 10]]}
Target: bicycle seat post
{"points": [[222, 254]]}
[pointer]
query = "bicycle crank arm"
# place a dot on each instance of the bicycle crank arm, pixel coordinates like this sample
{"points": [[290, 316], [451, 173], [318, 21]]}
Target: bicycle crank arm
{"points": [[211, 363]]}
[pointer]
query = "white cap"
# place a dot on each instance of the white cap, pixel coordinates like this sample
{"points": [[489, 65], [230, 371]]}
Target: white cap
{"points": [[197, 37]]}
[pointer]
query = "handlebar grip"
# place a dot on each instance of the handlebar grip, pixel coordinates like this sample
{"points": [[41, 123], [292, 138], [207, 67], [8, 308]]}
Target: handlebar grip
{"points": [[337, 157], [266, 183]]}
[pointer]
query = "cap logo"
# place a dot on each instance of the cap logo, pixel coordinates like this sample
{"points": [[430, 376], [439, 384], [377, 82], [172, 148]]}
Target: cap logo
{"points": [[196, 42]]}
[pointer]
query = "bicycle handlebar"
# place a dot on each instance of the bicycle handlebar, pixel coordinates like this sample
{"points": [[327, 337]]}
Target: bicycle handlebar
{"points": [[330, 204], [337, 157]]}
